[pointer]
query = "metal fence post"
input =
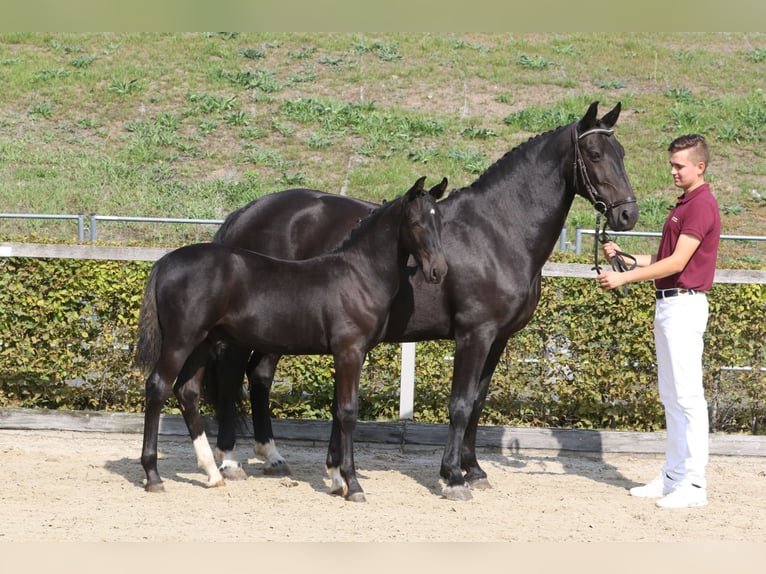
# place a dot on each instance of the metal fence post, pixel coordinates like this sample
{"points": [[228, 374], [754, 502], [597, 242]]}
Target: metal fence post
{"points": [[578, 240], [80, 227], [93, 230]]}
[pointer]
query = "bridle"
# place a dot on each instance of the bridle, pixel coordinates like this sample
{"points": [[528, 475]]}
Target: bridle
{"points": [[602, 206], [581, 177]]}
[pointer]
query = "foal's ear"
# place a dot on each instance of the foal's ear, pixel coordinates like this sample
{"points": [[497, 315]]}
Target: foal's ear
{"points": [[438, 190], [416, 188], [611, 118]]}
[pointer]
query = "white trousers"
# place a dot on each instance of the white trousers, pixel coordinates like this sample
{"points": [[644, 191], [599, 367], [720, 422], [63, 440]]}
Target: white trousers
{"points": [[679, 324]]}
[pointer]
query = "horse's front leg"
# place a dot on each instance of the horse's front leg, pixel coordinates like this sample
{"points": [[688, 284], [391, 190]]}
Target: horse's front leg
{"points": [[260, 374], [348, 368], [157, 392], [474, 474], [334, 450], [471, 351], [187, 391]]}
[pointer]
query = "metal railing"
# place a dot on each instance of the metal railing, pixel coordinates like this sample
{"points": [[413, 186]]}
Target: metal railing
{"points": [[581, 231], [87, 225]]}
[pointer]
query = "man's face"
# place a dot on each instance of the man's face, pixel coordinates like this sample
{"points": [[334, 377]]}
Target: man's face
{"points": [[687, 173]]}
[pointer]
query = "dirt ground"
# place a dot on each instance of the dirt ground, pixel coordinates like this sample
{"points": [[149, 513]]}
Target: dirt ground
{"points": [[87, 487]]}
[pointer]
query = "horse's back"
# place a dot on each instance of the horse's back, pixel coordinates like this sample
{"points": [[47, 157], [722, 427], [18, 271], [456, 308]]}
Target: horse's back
{"points": [[293, 224]]}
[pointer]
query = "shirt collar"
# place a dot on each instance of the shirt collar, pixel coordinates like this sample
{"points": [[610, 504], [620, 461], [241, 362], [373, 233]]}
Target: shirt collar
{"points": [[689, 195]]}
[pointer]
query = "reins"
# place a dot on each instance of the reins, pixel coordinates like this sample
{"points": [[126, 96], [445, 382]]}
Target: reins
{"points": [[601, 206], [618, 261]]}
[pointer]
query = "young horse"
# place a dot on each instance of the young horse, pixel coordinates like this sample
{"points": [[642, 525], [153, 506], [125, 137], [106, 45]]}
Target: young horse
{"points": [[335, 303], [499, 231]]}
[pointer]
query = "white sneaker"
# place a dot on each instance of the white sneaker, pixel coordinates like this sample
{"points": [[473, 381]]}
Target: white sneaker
{"points": [[686, 495], [659, 487]]}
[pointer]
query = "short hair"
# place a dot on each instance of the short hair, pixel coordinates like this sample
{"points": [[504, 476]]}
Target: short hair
{"points": [[695, 142]]}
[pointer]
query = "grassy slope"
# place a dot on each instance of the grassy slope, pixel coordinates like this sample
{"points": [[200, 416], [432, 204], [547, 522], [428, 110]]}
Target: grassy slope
{"points": [[196, 125]]}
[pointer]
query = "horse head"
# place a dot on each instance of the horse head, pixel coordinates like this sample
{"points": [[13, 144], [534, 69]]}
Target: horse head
{"points": [[421, 229], [600, 175]]}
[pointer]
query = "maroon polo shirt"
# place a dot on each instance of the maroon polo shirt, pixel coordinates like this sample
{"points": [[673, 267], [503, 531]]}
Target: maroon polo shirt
{"points": [[697, 214]]}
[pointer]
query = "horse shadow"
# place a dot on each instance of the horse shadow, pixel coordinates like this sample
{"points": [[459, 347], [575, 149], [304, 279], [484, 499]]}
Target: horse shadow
{"points": [[418, 456], [178, 464], [176, 458], [420, 462]]}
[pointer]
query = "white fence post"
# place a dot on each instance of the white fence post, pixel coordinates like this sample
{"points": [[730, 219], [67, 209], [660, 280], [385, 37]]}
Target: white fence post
{"points": [[407, 386]]}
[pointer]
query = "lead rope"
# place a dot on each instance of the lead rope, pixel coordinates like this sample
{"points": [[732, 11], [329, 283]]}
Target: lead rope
{"points": [[618, 261]]}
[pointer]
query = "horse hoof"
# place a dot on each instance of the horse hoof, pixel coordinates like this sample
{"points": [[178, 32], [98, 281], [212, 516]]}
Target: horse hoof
{"points": [[216, 484], [279, 468], [233, 473], [459, 493], [154, 487], [356, 497], [338, 490], [480, 484]]}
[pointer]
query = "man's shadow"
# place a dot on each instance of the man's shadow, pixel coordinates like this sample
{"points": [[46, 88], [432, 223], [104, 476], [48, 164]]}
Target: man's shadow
{"points": [[584, 444]]}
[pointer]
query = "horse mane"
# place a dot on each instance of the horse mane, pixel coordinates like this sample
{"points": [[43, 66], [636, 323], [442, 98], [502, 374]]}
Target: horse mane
{"points": [[499, 168], [364, 222]]}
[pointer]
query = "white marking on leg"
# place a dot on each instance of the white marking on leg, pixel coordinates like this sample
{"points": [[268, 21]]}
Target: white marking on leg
{"points": [[227, 458], [270, 454], [206, 460], [337, 484], [229, 466]]}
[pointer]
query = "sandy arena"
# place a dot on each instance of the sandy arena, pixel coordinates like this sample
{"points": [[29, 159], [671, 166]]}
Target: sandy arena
{"points": [[65, 486]]}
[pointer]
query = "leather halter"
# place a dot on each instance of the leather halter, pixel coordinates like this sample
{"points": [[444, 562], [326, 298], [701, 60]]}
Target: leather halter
{"points": [[581, 173]]}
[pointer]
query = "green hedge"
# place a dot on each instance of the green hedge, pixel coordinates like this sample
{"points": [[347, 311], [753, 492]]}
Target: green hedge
{"points": [[586, 360]]}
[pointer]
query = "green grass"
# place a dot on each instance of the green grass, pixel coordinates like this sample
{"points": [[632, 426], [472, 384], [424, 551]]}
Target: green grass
{"points": [[198, 124]]}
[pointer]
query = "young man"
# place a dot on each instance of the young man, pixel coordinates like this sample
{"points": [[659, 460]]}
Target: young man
{"points": [[682, 271]]}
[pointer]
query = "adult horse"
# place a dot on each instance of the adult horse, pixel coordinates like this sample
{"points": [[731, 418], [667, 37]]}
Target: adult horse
{"points": [[335, 303], [498, 233]]}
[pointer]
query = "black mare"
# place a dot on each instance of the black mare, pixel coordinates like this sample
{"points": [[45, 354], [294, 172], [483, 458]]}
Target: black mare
{"points": [[336, 303], [498, 233]]}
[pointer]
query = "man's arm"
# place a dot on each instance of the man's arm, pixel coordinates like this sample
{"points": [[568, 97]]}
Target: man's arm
{"points": [[674, 263]]}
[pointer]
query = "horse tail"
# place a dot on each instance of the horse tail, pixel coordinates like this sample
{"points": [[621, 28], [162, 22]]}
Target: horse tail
{"points": [[149, 343]]}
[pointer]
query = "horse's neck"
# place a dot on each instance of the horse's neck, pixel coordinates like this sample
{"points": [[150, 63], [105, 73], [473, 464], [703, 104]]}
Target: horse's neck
{"points": [[374, 249], [528, 191]]}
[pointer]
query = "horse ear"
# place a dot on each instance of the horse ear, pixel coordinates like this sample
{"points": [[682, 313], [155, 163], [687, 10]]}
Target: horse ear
{"points": [[589, 119], [438, 190], [611, 118], [416, 188]]}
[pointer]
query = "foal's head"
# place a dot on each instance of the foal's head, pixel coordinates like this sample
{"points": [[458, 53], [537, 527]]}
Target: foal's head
{"points": [[422, 227]]}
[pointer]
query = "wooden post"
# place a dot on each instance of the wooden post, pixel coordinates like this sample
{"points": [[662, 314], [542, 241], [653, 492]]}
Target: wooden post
{"points": [[407, 386]]}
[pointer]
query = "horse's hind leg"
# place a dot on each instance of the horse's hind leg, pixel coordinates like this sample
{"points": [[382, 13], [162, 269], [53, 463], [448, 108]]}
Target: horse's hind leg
{"points": [[157, 392], [260, 374], [187, 390], [223, 383]]}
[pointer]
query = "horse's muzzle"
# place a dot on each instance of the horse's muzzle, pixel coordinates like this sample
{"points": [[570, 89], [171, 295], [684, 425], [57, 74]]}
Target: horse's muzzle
{"points": [[623, 217], [435, 272]]}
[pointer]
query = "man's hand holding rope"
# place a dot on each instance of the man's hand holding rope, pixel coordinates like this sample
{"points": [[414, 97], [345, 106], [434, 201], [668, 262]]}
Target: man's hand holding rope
{"points": [[612, 278]]}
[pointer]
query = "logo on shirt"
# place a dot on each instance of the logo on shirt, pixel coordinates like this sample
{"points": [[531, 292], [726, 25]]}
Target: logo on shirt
{"points": [[674, 219]]}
